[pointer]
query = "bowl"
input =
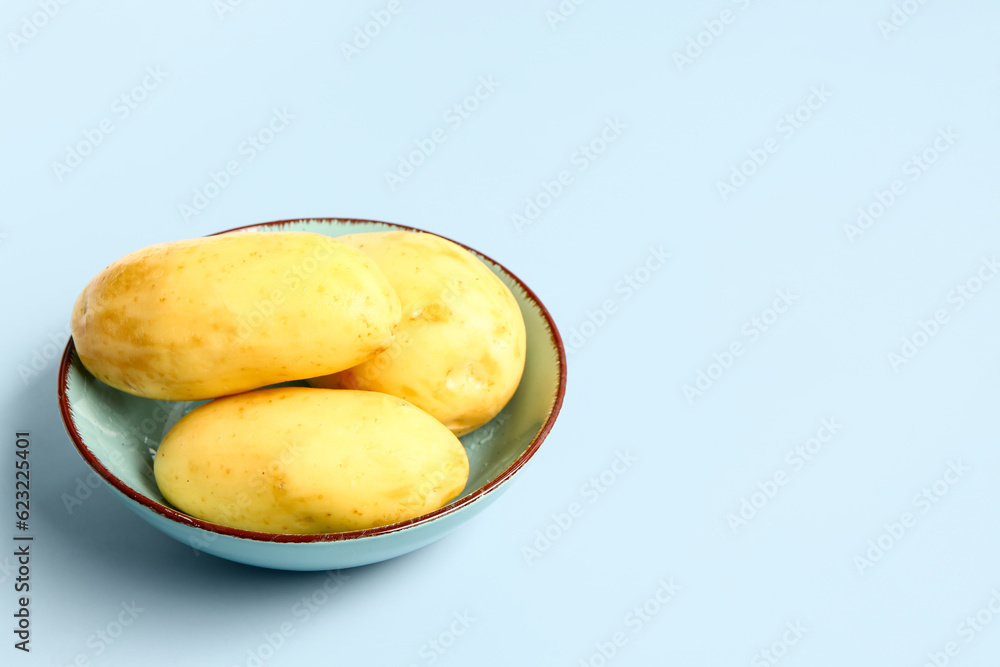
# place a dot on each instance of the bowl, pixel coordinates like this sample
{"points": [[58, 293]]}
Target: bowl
{"points": [[117, 435]]}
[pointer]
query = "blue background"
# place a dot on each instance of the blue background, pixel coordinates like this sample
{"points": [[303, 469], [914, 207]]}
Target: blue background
{"points": [[695, 91]]}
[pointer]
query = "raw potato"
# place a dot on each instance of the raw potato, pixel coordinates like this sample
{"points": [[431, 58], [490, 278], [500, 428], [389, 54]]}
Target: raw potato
{"points": [[460, 346], [212, 316], [305, 460]]}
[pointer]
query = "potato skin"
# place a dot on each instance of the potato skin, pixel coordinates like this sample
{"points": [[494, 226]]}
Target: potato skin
{"points": [[218, 315], [308, 460], [459, 350]]}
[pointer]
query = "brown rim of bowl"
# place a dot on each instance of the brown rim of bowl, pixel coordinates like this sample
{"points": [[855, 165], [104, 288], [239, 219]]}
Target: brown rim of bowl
{"points": [[180, 517]]}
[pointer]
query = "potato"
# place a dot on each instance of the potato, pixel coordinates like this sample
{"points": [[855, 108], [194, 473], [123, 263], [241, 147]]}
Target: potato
{"points": [[459, 349], [212, 316], [305, 460]]}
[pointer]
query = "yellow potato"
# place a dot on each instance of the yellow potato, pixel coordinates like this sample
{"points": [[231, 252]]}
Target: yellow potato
{"points": [[212, 316], [459, 349], [305, 460]]}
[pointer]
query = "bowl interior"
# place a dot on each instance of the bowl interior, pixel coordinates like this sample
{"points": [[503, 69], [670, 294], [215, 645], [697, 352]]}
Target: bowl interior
{"points": [[118, 433]]}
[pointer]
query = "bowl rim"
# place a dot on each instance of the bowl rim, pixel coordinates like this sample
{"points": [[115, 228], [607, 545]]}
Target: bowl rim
{"points": [[177, 516]]}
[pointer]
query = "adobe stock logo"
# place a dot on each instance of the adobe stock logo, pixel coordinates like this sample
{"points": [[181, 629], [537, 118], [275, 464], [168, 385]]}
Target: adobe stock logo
{"points": [[122, 108], [582, 158], [900, 16], [364, 34], [45, 354], [796, 459], [30, 25], [787, 126], [961, 295], [752, 329], [592, 490], [636, 620], [434, 649], [223, 7], [913, 168], [779, 648], [562, 12], [713, 30], [456, 115], [627, 287], [301, 611], [968, 630], [925, 500], [249, 149]]}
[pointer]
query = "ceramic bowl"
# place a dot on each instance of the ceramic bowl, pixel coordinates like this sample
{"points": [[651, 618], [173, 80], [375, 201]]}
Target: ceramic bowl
{"points": [[117, 434]]}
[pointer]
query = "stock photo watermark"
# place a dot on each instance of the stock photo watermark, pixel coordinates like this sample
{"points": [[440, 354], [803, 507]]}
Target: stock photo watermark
{"points": [[300, 274], [752, 330], [7, 569], [772, 655], [635, 621], [562, 12], [85, 486], [433, 649], [247, 151], [928, 329], [624, 289], [923, 501], [102, 639], [35, 22], [913, 170], [225, 7], [42, 356], [968, 631], [300, 614], [786, 127], [121, 110], [796, 460], [582, 158], [235, 508], [712, 30], [590, 492], [22, 542], [899, 16], [144, 434], [454, 117], [370, 30]]}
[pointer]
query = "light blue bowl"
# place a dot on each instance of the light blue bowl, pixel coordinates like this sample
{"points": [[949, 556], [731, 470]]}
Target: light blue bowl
{"points": [[117, 435]]}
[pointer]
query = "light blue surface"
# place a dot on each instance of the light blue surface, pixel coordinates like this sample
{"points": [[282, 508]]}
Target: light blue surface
{"points": [[673, 469]]}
